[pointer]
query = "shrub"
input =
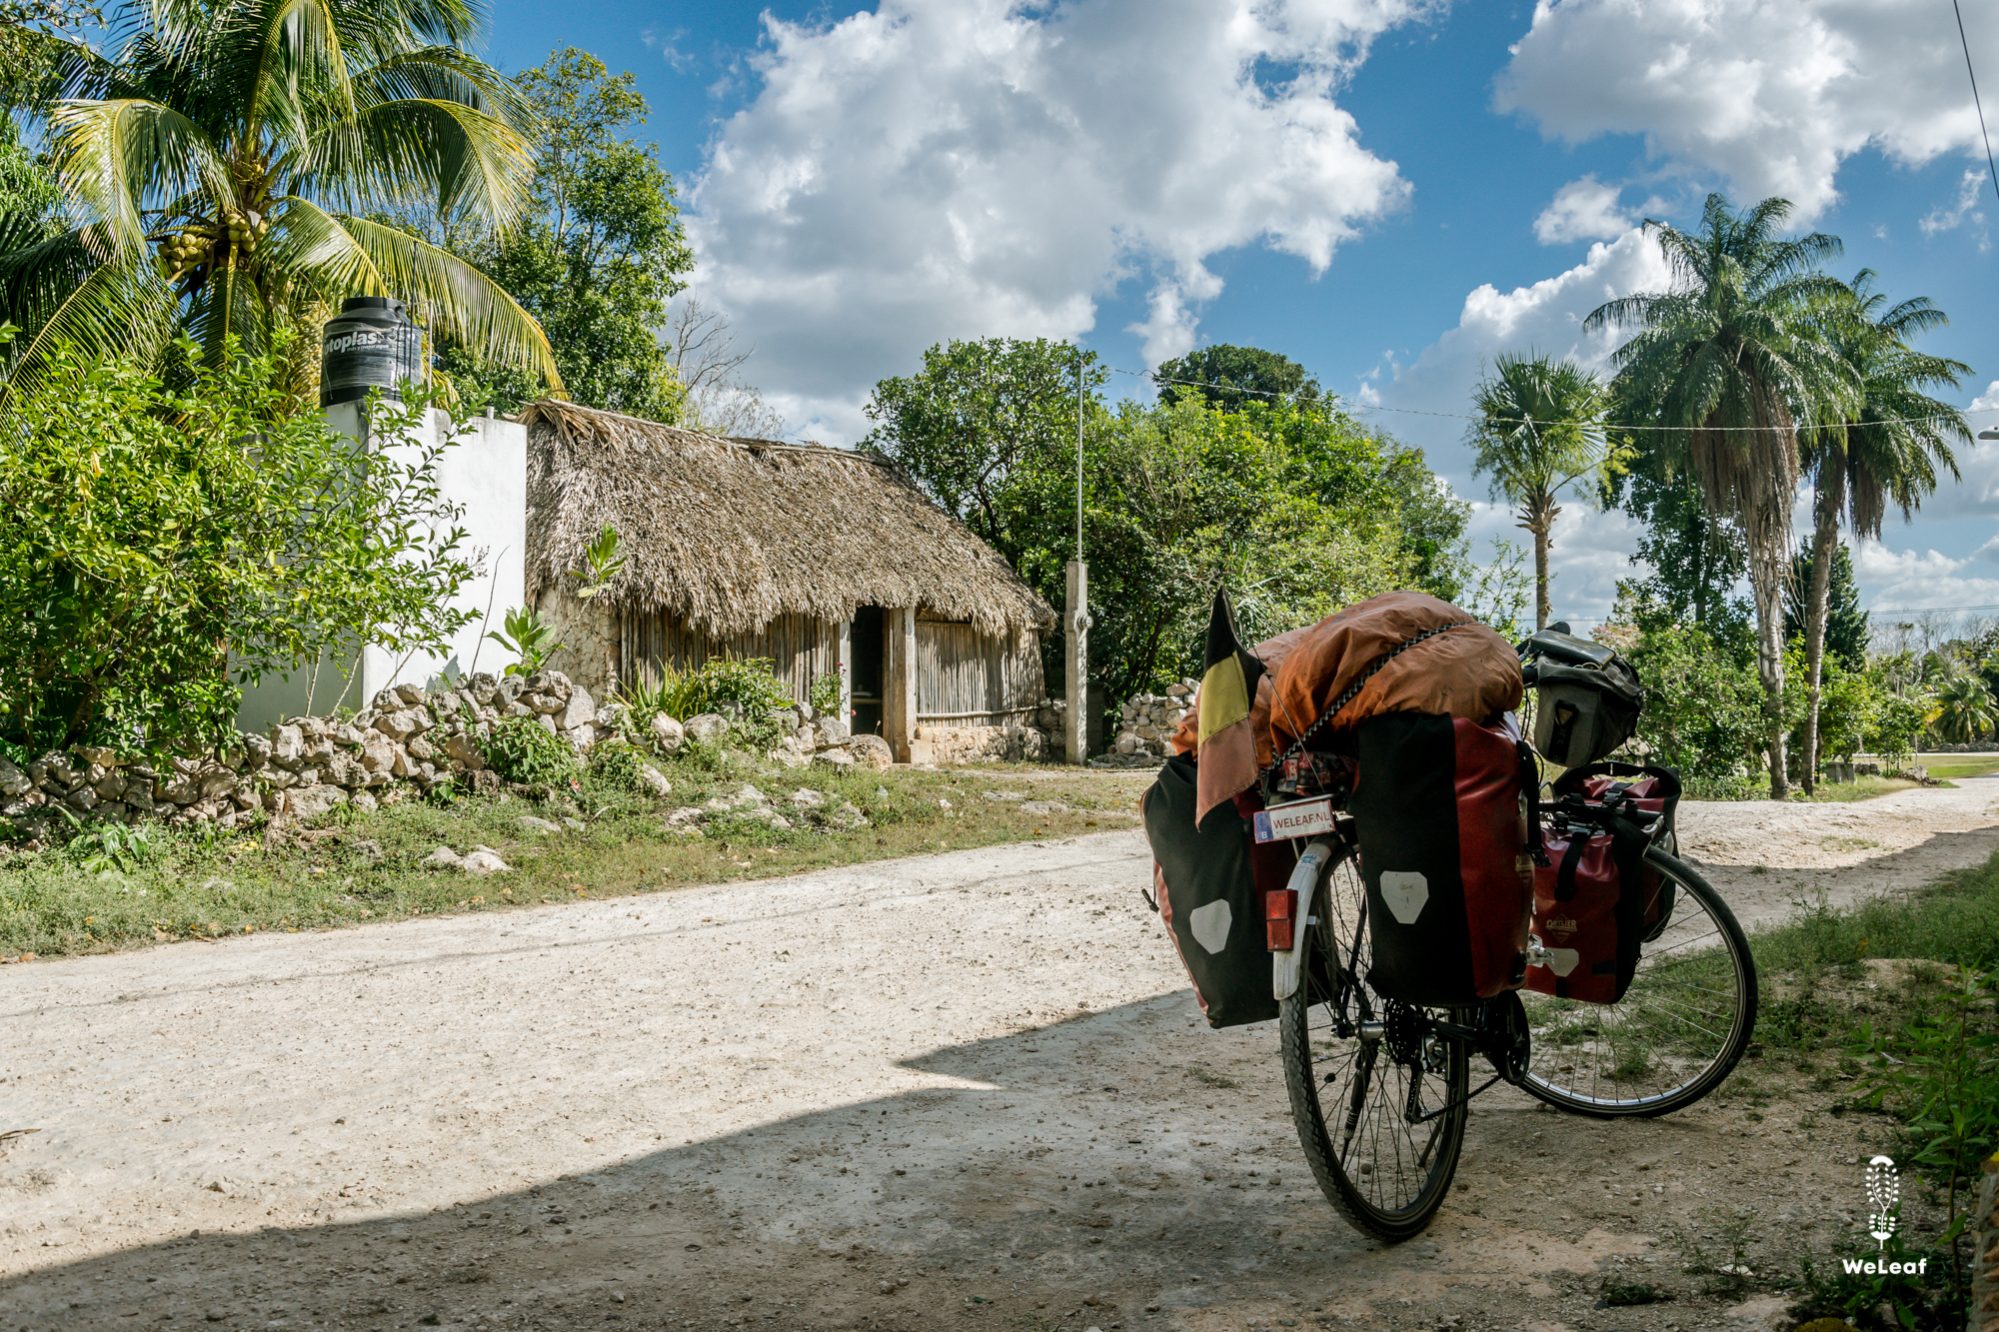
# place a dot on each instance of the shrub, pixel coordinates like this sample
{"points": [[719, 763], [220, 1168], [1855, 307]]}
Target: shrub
{"points": [[825, 694], [744, 689], [1897, 724], [170, 539], [617, 764], [1703, 710], [522, 750]]}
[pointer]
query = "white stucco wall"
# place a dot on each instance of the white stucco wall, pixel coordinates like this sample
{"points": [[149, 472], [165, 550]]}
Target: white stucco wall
{"points": [[485, 472]]}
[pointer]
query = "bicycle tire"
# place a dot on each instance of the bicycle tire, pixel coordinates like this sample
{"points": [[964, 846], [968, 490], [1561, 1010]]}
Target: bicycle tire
{"points": [[1734, 949], [1348, 1190]]}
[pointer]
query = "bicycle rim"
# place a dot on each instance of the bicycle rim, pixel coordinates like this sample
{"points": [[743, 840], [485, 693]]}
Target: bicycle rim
{"points": [[1349, 1095], [1677, 1032]]}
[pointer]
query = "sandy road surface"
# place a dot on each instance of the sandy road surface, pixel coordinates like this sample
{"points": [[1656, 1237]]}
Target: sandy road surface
{"points": [[960, 1091]]}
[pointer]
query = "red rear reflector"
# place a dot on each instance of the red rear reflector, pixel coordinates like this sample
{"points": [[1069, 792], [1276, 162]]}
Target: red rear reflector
{"points": [[1280, 906]]}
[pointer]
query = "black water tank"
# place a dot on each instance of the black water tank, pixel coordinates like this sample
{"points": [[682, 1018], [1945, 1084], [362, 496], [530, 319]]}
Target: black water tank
{"points": [[370, 344]]}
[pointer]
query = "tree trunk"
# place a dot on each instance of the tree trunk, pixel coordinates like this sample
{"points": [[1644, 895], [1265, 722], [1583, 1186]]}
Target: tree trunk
{"points": [[1543, 612], [1537, 516], [1825, 536], [1766, 584]]}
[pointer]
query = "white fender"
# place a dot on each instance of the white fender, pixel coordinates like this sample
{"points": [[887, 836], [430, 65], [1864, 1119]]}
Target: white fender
{"points": [[1287, 968]]}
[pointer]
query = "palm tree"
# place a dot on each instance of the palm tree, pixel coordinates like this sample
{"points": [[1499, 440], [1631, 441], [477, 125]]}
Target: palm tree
{"points": [[228, 165], [1729, 361], [1890, 451], [1964, 709], [1540, 430]]}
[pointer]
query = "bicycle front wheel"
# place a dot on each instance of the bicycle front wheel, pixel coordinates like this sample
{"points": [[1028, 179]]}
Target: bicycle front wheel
{"points": [[1677, 1032], [1379, 1096]]}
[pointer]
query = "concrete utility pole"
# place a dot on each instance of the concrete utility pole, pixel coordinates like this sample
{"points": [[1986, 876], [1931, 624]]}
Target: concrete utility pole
{"points": [[1076, 616]]}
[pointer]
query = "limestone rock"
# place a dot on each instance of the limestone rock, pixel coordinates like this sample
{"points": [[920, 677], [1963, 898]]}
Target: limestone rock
{"points": [[545, 827], [378, 754], [13, 781], [653, 781], [580, 711], [834, 758], [667, 734], [464, 751], [707, 729], [833, 730], [872, 751], [309, 802]]}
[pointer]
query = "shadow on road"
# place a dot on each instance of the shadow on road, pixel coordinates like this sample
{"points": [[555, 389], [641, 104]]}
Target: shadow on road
{"points": [[1115, 1169]]}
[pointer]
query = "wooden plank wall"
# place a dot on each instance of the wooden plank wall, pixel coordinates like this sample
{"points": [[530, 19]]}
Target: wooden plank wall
{"points": [[971, 680], [800, 649]]}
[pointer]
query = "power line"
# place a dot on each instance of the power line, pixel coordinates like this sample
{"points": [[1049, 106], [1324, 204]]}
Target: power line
{"points": [[1346, 405], [1983, 132]]}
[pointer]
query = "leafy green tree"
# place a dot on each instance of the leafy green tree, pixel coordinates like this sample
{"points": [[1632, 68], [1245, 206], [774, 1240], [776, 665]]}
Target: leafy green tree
{"points": [[1230, 377], [1964, 709], [36, 39], [1703, 710], [1846, 626], [225, 164], [1731, 359], [1696, 558], [158, 554], [1891, 449], [976, 418], [30, 203], [598, 255], [1540, 429], [1297, 509]]}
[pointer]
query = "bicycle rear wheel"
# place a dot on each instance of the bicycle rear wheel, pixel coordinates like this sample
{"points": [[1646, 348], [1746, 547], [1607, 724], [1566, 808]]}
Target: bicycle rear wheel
{"points": [[1359, 1068], [1677, 1032]]}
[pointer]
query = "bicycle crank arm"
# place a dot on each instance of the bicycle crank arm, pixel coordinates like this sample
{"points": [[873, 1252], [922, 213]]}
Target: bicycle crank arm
{"points": [[1288, 968]]}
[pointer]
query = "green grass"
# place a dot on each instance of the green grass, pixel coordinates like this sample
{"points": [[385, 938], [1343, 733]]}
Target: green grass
{"points": [[108, 891], [1860, 788], [1947, 766], [1954, 921], [1891, 1008]]}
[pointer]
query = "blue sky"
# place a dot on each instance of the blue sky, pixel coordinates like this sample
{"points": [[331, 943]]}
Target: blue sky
{"points": [[1390, 191]]}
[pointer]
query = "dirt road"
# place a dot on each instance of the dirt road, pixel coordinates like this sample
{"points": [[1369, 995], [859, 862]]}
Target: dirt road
{"points": [[962, 1091]]}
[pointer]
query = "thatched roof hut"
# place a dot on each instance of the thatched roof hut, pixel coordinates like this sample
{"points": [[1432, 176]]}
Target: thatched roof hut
{"points": [[726, 535], [823, 560]]}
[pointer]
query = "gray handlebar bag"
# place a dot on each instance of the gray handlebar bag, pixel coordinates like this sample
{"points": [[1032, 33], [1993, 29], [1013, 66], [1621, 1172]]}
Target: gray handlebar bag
{"points": [[1582, 713]]}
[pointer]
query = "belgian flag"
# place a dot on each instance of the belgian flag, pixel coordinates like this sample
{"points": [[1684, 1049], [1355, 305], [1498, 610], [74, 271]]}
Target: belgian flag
{"points": [[1227, 740]]}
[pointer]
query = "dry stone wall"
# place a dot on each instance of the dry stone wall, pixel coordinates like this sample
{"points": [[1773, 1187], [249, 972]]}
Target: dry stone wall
{"points": [[406, 742], [1147, 722]]}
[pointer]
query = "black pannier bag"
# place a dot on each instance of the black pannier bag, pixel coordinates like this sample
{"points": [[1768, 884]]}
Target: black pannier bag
{"points": [[1586, 699], [1209, 898], [1440, 815]]}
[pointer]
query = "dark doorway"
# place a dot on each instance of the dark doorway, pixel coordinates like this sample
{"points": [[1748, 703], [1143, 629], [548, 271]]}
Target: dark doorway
{"points": [[865, 644]]}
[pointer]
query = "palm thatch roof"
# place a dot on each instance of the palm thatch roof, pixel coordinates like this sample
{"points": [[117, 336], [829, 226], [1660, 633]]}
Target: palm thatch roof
{"points": [[728, 534]]}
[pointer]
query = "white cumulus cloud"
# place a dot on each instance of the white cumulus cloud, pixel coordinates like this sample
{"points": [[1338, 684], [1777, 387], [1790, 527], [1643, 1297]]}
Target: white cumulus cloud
{"points": [[962, 168], [1584, 209], [1773, 94]]}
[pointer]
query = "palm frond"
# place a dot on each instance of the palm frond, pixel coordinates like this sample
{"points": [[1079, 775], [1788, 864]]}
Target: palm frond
{"points": [[117, 308], [118, 156], [455, 299], [424, 151]]}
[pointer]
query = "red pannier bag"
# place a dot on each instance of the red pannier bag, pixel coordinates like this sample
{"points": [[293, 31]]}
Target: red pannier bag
{"points": [[1596, 901], [1648, 794], [1441, 817]]}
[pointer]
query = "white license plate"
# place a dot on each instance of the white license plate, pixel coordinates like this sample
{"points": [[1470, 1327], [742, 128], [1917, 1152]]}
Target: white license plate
{"points": [[1300, 818]]}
